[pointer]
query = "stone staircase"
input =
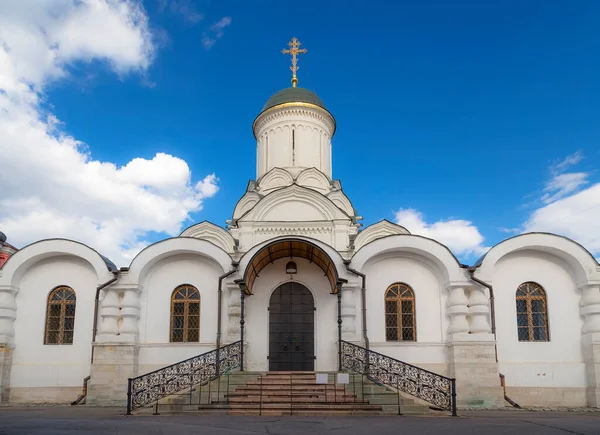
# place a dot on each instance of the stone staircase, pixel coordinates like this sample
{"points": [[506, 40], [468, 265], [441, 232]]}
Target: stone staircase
{"points": [[290, 393]]}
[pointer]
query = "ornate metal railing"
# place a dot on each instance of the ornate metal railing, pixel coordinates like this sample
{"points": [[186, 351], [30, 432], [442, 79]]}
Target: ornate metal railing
{"points": [[431, 387], [153, 386]]}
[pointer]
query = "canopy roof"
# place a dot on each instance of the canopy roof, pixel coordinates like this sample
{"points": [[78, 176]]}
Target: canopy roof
{"points": [[290, 249]]}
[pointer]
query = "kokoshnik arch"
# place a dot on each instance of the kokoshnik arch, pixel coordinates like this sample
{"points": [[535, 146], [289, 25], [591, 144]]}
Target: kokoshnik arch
{"points": [[292, 273]]}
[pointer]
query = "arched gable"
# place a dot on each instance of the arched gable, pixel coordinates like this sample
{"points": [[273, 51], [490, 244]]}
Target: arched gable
{"points": [[314, 179], [432, 251], [376, 231], [246, 202], [275, 179], [581, 261], [22, 260], [213, 233], [340, 199], [160, 251], [294, 203]]}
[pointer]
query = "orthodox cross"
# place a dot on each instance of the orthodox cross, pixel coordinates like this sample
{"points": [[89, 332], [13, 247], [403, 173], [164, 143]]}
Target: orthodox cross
{"points": [[294, 51]]}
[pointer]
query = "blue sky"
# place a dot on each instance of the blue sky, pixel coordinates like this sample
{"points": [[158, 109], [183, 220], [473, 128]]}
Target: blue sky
{"points": [[460, 113]]}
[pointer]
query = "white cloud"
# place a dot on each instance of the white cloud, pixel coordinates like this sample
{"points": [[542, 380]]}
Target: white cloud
{"points": [[570, 160], [569, 209], [562, 184], [216, 32], [576, 216], [461, 236], [51, 185], [185, 8]]}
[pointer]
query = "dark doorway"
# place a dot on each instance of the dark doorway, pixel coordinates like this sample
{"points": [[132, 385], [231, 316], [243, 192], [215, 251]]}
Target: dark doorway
{"points": [[291, 329]]}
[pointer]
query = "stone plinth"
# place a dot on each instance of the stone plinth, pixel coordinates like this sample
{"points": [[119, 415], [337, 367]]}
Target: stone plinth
{"points": [[591, 354], [474, 366], [5, 366], [113, 365]]}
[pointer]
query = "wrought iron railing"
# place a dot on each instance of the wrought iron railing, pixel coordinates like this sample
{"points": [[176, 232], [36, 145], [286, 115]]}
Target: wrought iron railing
{"points": [[153, 386], [431, 387]]}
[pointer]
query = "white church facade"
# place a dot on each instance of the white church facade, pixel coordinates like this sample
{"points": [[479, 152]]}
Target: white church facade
{"points": [[293, 266]]}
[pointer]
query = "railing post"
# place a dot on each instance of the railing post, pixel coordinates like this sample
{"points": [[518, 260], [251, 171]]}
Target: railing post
{"points": [[242, 322], [129, 387], [339, 321], [453, 397], [218, 369], [261, 394], [398, 393]]}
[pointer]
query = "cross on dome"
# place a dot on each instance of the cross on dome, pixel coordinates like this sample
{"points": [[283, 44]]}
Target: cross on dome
{"points": [[294, 50]]}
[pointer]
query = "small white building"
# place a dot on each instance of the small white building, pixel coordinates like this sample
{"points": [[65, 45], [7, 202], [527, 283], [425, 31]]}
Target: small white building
{"points": [[529, 309]]}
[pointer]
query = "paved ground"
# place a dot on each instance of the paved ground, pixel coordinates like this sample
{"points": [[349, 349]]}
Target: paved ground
{"points": [[67, 420]]}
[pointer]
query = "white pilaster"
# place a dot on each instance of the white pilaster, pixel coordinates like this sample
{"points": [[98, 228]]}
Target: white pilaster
{"points": [[479, 311], [348, 313], [458, 309], [234, 310], [130, 313], [590, 311], [108, 324], [8, 314]]}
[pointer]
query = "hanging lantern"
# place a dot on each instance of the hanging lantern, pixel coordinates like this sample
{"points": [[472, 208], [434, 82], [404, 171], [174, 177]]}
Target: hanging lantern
{"points": [[291, 268]]}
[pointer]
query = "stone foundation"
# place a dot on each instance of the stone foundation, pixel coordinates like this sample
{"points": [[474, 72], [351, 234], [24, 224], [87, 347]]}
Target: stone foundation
{"points": [[5, 366], [113, 365], [53, 395], [573, 397], [474, 366], [591, 355]]}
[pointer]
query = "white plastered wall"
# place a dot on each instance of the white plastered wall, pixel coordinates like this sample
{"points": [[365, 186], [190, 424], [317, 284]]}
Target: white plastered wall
{"points": [[531, 368], [155, 350], [429, 351], [52, 373], [257, 314]]}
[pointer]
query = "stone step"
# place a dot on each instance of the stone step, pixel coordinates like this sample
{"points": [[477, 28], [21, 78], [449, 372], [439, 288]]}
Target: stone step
{"points": [[298, 400], [296, 393], [274, 406], [287, 394], [308, 413]]}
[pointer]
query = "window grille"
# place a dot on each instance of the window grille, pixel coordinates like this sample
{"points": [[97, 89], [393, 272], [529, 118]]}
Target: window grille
{"points": [[532, 313], [60, 316], [400, 322], [185, 314]]}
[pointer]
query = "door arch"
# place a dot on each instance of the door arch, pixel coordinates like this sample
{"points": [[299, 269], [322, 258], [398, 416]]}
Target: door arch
{"points": [[291, 328]]}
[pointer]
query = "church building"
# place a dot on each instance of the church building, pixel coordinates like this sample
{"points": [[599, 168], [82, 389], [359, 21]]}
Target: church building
{"points": [[293, 275]]}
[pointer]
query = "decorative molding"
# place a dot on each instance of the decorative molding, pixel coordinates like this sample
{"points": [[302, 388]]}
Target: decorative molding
{"points": [[314, 179], [340, 199], [322, 205], [246, 203], [275, 178], [211, 233], [376, 231], [295, 110], [303, 231]]}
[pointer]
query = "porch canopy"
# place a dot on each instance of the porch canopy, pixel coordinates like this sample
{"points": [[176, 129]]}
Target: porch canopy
{"points": [[290, 248]]}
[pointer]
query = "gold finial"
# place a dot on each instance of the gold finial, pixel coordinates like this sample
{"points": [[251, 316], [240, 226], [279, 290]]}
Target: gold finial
{"points": [[294, 51]]}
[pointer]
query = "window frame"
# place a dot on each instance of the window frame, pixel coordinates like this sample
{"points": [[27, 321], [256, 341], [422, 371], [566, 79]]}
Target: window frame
{"points": [[186, 313], [523, 293], [62, 316], [399, 299]]}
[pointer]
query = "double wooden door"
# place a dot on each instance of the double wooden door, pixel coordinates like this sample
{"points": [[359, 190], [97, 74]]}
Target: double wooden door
{"points": [[291, 328]]}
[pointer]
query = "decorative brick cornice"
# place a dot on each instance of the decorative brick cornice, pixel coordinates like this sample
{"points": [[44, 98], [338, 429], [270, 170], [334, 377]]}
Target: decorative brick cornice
{"points": [[302, 231], [311, 112]]}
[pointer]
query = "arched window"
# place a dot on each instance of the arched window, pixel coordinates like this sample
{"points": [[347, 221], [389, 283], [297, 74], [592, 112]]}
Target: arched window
{"points": [[60, 316], [400, 322], [185, 314], [532, 313]]}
